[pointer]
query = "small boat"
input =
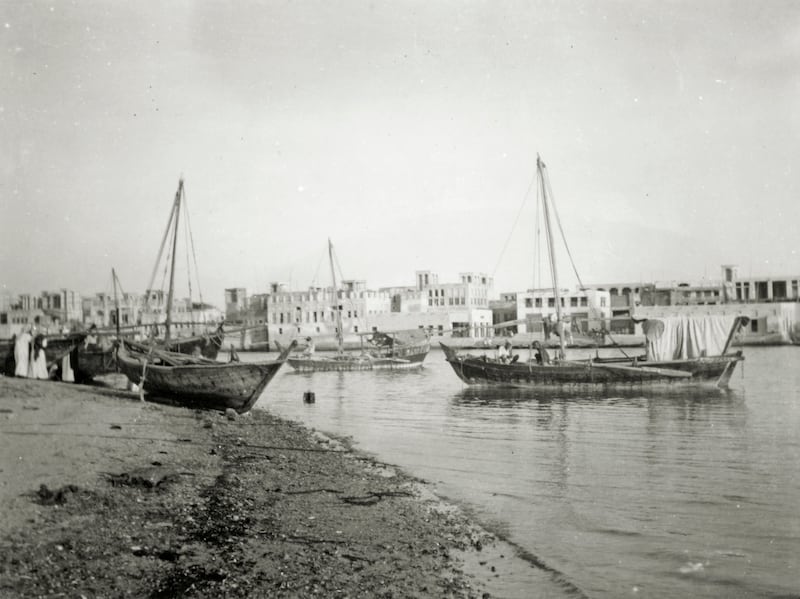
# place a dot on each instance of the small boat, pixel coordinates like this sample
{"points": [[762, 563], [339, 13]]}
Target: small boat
{"points": [[386, 351], [196, 382], [680, 350], [192, 381]]}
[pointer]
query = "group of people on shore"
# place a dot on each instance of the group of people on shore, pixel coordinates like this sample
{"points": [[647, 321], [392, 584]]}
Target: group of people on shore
{"points": [[29, 356]]}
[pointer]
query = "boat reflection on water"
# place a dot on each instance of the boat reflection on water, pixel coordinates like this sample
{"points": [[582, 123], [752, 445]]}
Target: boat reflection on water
{"points": [[696, 398]]}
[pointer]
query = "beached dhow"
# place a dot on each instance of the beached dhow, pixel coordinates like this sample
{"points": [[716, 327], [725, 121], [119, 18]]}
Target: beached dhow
{"points": [[193, 381]]}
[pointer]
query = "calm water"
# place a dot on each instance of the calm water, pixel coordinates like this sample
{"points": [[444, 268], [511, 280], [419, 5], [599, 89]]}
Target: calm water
{"points": [[690, 493]]}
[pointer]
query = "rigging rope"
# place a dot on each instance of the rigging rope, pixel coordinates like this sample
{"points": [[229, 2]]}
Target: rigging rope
{"points": [[569, 253], [194, 253], [513, 226], [561, 230], [167, 261], [160, 254]]}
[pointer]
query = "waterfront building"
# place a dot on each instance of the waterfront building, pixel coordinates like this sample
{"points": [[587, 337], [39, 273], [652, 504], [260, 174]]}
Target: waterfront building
{"points": [[460, 309], [189, 317], [587, 309], [49, 312], [465, 302], [101, 310]]}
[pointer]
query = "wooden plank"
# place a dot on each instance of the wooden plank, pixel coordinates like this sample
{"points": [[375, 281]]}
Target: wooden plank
{"points": [[667, 372]]}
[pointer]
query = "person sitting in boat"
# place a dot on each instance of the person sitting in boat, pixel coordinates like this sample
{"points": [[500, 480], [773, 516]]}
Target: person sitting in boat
{"points": [[541, 356], [510, 351], [502, 353], [309, 350]]}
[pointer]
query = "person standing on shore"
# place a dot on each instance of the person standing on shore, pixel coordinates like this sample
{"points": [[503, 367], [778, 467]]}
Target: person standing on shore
{"points": [[22, 351], [37, 367]]}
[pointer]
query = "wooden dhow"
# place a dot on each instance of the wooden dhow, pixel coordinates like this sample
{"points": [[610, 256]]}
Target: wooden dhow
{"points": [[688, 350], [193, 382], [696, 367], [385, 351]]}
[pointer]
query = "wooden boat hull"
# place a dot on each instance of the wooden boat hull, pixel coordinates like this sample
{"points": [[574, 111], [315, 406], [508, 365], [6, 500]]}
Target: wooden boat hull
{"points": [[479, 370], [90, 363], [209, 344], [207, 386], [402, 358]]}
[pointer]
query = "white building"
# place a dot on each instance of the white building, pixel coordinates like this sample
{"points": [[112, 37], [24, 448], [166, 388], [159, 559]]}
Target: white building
{"points": [[460, 309], [588, 309]]}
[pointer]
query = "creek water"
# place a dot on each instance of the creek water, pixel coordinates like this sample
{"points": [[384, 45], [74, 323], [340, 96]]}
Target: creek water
{"points": [[680, 493]]}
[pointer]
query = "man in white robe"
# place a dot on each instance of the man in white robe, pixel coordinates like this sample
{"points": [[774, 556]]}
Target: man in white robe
{"points": [[22, 350], [37, 367]]}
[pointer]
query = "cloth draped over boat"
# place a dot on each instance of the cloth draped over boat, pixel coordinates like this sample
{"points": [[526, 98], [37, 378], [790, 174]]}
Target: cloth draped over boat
{"points": [[686, 337], [788, 323]]}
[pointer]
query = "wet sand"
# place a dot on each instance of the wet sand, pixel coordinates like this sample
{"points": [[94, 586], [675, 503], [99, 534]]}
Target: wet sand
{"points": [[104, 495]]}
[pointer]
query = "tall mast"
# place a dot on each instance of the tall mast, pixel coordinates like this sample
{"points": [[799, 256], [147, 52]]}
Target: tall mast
{"points": [[116, 300], [339, 331], [176, 207], [540, 167]]}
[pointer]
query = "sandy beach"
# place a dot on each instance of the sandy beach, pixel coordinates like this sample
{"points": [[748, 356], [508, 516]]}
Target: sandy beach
{"points": [[103, 495]]}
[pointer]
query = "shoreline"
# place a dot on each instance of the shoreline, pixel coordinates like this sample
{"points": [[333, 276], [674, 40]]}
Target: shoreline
{"points": [[105, 495]]}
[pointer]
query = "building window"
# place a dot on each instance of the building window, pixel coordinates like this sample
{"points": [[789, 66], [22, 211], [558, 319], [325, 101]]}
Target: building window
{"points": [[573, 302], [538, 302], [602, 302], [584, 301], [551, 302]]}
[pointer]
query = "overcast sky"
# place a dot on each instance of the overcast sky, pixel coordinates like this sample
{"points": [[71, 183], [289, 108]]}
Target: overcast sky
{"points": [[407, 132]]}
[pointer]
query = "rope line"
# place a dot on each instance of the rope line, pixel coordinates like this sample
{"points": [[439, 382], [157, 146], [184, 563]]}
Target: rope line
{"points": [[513, 226]]}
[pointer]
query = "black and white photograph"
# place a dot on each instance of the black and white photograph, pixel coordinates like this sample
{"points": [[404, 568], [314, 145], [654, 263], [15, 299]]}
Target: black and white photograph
{"points": [[390, 299]]}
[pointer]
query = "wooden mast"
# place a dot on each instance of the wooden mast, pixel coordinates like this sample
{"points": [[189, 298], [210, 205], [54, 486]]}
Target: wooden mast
{"points": [[540, 167], [177, 211], [116, 300], [339, 331]]}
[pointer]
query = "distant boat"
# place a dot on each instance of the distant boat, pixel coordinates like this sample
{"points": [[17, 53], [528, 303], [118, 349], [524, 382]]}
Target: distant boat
{"points": [[193, 381], [681, 350], [384, 351]]}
